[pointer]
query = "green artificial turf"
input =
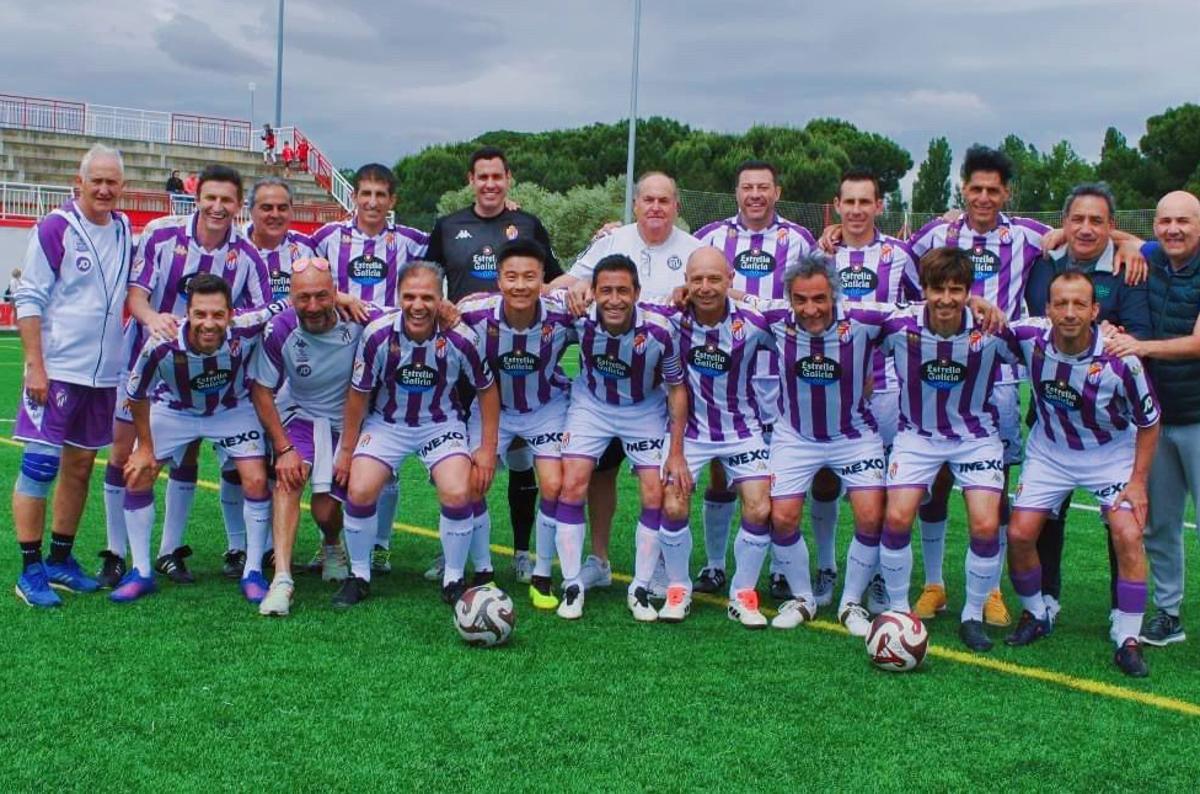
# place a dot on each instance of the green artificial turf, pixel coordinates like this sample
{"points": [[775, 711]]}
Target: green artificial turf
{"points": [[192, 690]]}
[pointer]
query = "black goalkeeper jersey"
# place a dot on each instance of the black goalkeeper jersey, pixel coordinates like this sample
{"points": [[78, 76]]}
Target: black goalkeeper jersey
{"points": [[465, 245]]}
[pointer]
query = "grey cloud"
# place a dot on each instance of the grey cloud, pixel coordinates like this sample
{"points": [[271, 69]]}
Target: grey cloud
{"points": [[193, 44]]}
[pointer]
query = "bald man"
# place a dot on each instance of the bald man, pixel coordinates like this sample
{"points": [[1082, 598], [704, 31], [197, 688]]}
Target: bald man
{"points": [[1173, 353], [311, 349]]}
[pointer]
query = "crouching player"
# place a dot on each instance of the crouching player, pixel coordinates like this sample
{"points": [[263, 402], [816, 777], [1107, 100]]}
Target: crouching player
{"points": [[200, 391], [1088, 403], [946, 362], [522, 336], [306, 358], [718, 344], [826, 356], [403, 386], [626, 354]]}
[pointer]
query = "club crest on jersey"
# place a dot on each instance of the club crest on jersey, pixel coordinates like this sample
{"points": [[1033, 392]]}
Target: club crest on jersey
{"points": [[566, 438], [360, 369], [893, 470], [1004, 234], [943, 374], [389, 240], [235, 346], [885, 254], [731, 231], [547, 330], [231, 260], [975, 341], [364, 441], [674, 262], [439, 347], [781, 235], [843, 331], [737, 329], [510, 232], [1095, 369], [293, 250], [639, 343]]}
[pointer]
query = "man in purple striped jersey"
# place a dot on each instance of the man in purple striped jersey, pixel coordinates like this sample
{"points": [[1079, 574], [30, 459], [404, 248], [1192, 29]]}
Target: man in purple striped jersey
{"points": [[719, 341], [522, 336], [1088, 406], [403, 383], [270, 232], [826, 352], [626, 355], [367, 252], [171, 252], [947, 365], [200, 391], [760, 246]]}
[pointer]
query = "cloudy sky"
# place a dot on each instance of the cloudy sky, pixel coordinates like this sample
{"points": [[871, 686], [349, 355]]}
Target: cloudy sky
{"points": [[375, 79]]}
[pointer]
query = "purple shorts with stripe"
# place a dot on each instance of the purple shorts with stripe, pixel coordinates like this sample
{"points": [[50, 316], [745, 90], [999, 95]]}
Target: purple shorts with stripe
{"points": [[300, 433], [75, 415]]}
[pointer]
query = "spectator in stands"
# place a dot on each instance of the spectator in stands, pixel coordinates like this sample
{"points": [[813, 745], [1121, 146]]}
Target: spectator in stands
{"points": [[189, 184], [268, 139], [289, 157], [14, 281], [174, 183], [302, 156]]}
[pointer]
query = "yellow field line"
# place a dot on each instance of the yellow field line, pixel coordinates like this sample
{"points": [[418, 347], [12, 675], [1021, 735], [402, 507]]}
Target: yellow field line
{"points": [[1076, 683]]}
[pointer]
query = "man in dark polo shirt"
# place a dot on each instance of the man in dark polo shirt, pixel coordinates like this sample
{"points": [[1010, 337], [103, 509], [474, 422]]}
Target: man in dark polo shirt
{"points": [[1172, 353], [1088, 225], [465, 243]]}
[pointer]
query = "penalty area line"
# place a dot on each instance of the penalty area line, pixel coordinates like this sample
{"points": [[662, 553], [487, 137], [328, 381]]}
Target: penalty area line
{"points": [[1063, 680]]}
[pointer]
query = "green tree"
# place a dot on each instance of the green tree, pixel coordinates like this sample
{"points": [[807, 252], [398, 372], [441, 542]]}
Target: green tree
{"points": [[1171, 147], [931, 191]]}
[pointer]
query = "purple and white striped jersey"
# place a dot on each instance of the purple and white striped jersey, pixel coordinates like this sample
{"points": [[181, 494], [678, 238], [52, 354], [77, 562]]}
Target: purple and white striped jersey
{"points": [[718, 363], [365, 266], [279, 260], [630, 368], [883, 271], [759, 258], [823, 376], [167, 257], [526, 364], [1087, 401], [946, 383], [201, 384], [315, 367], [413, 382]]}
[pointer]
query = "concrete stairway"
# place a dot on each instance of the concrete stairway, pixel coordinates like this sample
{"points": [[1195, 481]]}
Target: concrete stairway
{"points": [[50, 158]]}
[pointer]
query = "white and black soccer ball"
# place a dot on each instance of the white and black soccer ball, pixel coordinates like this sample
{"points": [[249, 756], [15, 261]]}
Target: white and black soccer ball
{"points": [[485, 616], [897, 641]]}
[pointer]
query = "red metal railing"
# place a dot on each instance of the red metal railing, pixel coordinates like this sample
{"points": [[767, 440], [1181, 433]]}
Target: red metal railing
{"points": [[50, 115]]}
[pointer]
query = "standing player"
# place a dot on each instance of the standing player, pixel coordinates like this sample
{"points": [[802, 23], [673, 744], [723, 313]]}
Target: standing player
{"points": [[1086, 402], [367, 253], [825, 356], [466, 244], [271, 234], [759, 246], [310, 348], [626, 355], [404, 376], [201, 391], [718, 344], [68, 307], [659, 249], [170, 253], [947, 367], [522, 336]]}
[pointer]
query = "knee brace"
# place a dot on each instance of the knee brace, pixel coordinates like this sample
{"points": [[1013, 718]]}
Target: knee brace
{"points": [[39, 467]]}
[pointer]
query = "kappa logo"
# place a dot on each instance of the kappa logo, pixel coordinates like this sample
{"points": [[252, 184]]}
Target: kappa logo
{"points": [[60, 398], [248, 438], [180, 250], [759, 456], [463, 234], [346, 335], [452, 439]]}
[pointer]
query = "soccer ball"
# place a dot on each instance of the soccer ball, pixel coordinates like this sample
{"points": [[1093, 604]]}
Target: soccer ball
{"points": [[485, 616], [897, 641]]}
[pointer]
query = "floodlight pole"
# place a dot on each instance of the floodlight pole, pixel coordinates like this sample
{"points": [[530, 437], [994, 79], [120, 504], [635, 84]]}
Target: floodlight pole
{"points": [[633, 86], [279, 70]]}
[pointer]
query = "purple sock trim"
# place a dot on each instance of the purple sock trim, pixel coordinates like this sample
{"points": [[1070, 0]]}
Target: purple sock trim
{"points": [[894, 539], [790, 540], [719, 496], [1027, 583], [458, 513], [673, 524], [266, 498], [1131, 596], [549, 508], [933, 511], [231, 476], [650, 517], [870, 541], [479, 508], [187, 474], [113, 475], [136, 500], [359, 511], [755, 529], [985, 548], [569, 512]]}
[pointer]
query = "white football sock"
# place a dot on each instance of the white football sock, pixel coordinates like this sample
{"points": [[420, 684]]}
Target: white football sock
{"points": [[545, 525], [232, 511], [385, 514], [257, 515], [823, 516]]}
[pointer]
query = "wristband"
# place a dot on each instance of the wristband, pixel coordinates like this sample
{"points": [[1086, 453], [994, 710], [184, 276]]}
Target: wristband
{"points": [[285, 450]]}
